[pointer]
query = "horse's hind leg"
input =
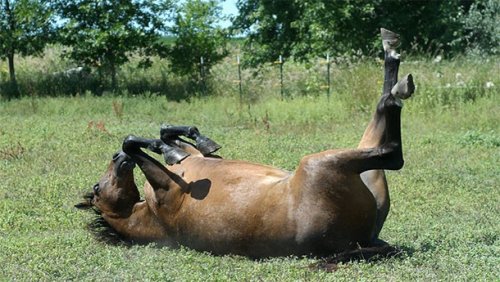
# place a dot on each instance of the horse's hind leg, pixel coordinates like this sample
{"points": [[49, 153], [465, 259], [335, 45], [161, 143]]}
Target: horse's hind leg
{"points": [[376, 132], [204, 144]]}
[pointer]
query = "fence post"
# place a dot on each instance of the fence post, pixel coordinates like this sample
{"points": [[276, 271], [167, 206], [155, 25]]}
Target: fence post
{"points": [[202, 75], [281, 76], [239, 79], [328, 75]]}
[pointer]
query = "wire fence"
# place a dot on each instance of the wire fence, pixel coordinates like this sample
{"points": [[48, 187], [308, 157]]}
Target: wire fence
{"points": [[278, 75], [339, 77]]}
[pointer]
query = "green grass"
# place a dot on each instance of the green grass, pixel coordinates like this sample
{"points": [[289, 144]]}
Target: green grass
{"points": [[444, 213]]}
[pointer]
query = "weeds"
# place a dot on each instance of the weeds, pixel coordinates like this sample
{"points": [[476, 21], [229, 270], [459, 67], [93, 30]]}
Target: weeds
{"points": [[355, 81], [478, 139], [118, 109], [98, 126], [13, 152]]}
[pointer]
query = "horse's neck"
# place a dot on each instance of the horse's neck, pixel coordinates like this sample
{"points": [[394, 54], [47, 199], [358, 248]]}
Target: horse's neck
{"points": [[141, 225]]}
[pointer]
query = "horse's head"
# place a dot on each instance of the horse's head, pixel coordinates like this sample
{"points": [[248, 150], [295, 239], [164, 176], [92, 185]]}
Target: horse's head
{"points": [[116, 193]]}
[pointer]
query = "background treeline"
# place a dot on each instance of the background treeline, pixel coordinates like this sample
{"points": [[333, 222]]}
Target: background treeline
{"points": [[100, 46]]}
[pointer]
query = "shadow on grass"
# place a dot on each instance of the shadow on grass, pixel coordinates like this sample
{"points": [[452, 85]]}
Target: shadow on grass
{"points": [[60, 85], [105, 233], [367, 254]]}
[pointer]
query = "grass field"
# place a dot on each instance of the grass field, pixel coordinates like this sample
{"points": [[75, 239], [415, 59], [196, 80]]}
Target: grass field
{"points": [[445, 210]]}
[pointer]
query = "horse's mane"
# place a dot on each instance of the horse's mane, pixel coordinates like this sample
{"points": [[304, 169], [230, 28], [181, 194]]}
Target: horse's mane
{"points": [[101, 229], [104, 232]]}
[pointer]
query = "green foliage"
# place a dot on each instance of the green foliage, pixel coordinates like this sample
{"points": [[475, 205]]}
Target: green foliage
{"points": [[268, 29], [102, 34], [25, 29], [481, 34], [426, 26], [305, 29], [197, 36]]}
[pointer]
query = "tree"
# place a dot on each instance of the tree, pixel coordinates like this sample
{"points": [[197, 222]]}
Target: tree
{"points": [[102, 33], [481, 33], [196, 36], [25, 29], [270, 28], [430, 26], [305, 28]]}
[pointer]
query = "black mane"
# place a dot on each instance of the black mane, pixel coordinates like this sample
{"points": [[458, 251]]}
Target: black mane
{"points": [[105, 233], [101, 229]]}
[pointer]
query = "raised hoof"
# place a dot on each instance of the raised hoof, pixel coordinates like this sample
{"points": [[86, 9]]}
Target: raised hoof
{"points": [[206, 145], [173, 155], [390, 40], [404, 88]]}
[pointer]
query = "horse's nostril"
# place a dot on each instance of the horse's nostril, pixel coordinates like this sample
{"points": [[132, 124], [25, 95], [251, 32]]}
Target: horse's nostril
{"points": [[116, 155]]}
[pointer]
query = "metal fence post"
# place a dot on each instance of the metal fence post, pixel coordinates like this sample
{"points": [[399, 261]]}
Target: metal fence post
{"points": [[281, 76], [328, 75], [239, 79], [202, 75]]}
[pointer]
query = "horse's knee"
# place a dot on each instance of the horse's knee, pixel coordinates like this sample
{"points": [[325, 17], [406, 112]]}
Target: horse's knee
{"points": [[129, 143], [168, 132]]}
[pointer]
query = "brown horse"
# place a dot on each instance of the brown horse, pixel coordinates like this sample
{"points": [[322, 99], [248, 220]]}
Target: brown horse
{"points": [[335, 201]]}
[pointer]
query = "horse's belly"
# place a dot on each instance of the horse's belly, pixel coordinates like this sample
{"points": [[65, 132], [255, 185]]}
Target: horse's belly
{"points": [[261, 215], [252, 220]]}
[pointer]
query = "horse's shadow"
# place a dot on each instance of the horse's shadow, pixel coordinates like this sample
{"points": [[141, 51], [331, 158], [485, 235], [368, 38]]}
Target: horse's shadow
{"points": [[369, 254], [379, 253]]}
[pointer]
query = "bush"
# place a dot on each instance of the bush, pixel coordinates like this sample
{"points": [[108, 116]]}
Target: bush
{"points": [[482, 29]]}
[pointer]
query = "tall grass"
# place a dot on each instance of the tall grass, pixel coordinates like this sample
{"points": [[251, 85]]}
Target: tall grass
{"points": [[355, 80]]}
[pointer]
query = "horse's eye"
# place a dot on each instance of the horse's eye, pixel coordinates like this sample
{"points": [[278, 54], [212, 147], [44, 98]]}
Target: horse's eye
{"points": [[96, 188]]}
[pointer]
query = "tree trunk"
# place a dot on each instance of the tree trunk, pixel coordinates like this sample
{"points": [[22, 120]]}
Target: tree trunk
{"points": [[113, 76], [13, 89]]}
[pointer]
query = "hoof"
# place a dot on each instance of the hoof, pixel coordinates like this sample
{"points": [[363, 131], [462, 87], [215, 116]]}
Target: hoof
{"points": [[390, 40], [206, 145], [173, 155], [404, 88]]}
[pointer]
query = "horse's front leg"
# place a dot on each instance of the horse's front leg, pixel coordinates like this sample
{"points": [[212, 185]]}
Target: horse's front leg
{"points": [[157, 175], [171, 154], [205, 145]]}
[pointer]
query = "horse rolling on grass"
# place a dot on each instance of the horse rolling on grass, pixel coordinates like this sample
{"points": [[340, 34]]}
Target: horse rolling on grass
{"points": [[335, 202]]}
